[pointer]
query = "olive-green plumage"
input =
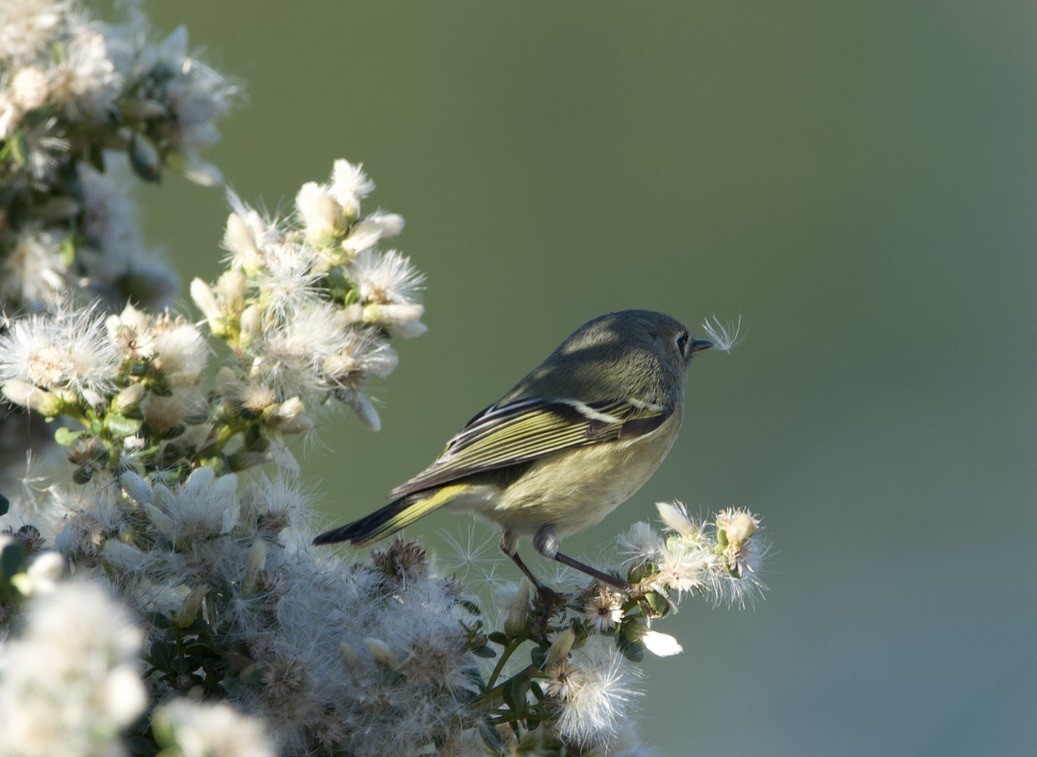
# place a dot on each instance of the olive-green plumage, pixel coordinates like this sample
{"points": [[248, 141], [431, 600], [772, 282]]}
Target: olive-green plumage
{"points": [[576, 437]]}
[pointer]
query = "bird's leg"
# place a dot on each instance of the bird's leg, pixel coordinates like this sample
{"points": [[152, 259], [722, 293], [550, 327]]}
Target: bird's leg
{"points": [[548, 601], [510, 548], [547, 545]]}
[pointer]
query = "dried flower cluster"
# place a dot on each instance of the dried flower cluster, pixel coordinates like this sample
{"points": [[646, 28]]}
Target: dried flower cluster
{"points": [[581, 684], [158, 590], [80, 103]]}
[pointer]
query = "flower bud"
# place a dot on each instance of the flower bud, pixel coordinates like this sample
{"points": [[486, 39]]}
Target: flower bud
{"points": [[192, 605], [560, 648], [518, 611], [738, 525], [32, 397], [128, 398], [256, 562], [380, 651], [203, 297], [251, 324], [121, 555]]}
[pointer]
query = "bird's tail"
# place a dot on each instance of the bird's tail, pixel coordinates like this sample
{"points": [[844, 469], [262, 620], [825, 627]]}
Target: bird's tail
{"points": [[391, 518]]}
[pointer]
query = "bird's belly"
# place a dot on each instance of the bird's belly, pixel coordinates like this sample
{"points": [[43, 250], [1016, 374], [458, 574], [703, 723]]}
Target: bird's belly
{"points": [[575, 489]]}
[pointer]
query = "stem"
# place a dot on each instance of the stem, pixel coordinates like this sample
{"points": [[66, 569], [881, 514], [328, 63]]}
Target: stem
{"points": [[504, 657], [214, 447], [491, 694]]}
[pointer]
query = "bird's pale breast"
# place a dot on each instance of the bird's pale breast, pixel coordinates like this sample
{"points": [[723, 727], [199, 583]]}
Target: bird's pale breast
{"points": [[574, 489]]}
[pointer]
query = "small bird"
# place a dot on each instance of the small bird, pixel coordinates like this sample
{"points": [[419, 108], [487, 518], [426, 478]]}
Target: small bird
{"points": [[579, 435]]}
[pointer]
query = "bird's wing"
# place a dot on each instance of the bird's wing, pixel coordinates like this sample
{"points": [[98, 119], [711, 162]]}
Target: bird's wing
{"points": [[523, 430]]}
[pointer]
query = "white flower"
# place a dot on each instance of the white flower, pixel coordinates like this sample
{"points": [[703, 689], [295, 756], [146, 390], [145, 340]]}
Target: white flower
{"points": [[203, 729], [84, 81], [62, 350], [289, 355], [675, 515], [599, 697], [737, 524], [200, 508], [27, 27], [640, 542], [320, 213], [241, 239], [132, 331], [180, 351], [369, 230], [738, 555], [385, 277], [362, 352], [71, 681], [194, 95], [34, 272], [563, 680], [287, 281], [349, 185], [661, 644], [684, 565], [29, 87], [603, 609]]}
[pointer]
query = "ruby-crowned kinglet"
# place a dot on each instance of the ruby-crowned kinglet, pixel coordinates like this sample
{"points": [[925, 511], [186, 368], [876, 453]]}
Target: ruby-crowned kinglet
{"points": [[570, 442]]}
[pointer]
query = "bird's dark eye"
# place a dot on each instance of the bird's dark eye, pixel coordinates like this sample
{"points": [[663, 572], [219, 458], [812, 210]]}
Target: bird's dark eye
{"points": [[682, 342]]}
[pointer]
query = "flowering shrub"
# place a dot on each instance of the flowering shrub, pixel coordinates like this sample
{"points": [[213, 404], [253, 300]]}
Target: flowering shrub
{"points": [[158, 587]]}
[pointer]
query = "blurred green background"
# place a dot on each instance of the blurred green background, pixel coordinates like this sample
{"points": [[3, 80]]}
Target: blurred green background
{"points": [[857, 180]]}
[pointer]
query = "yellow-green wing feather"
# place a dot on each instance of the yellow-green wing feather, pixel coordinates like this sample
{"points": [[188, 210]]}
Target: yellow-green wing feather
{"points": [[526, 429]]}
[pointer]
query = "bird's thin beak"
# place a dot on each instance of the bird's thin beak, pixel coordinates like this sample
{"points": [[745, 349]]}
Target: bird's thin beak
{"points": [[699, 344]]}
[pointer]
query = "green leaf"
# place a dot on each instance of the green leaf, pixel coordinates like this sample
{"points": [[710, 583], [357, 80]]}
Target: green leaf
{"points": [[144, 158], [470, 606], [199, 650], [5, 504], [19, 147], [139, 746], [121, 426], [65, 436], [82, 474], [159, 620], [96, 157], [537, 656], [491, 738], [629, 642], [182, 665], [518, 687], [498, 637], [253, 436], [484, 652], [658, 603], [161, 654]]}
